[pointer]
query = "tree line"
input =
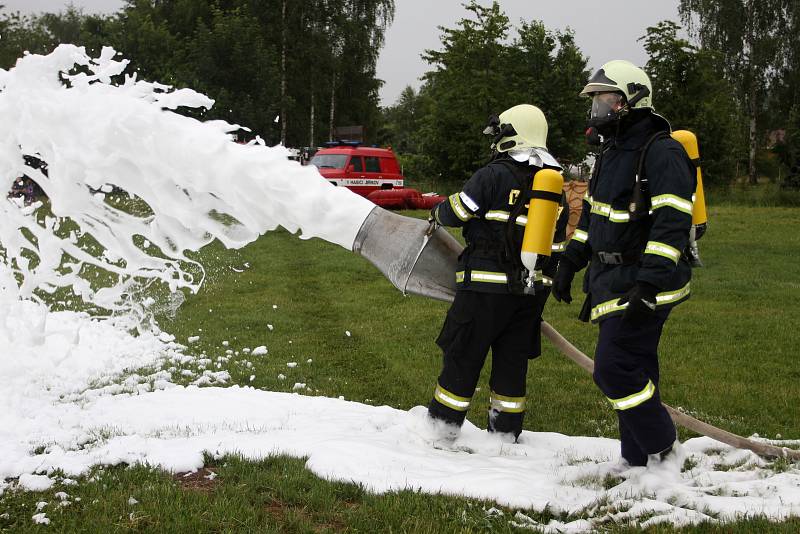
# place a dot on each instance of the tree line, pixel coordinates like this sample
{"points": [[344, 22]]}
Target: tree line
{"points": [[288, 69], [294, 70]]}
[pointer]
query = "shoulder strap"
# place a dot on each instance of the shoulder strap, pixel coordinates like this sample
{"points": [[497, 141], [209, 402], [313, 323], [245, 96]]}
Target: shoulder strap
{"points": [[598, 164], [516, 210], [640, 201], [640, 174]]}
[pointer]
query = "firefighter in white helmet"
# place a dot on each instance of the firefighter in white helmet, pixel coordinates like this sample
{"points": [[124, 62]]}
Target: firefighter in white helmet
{"points": [[493, 308], [633, 233]]}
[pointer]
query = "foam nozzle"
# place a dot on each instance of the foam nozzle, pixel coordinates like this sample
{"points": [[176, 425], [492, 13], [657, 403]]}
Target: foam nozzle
{"points": [[413, 262]]}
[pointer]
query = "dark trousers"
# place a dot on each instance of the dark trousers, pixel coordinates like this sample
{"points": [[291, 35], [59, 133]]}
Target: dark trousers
{"points": [[476, 322], [626, 362]]}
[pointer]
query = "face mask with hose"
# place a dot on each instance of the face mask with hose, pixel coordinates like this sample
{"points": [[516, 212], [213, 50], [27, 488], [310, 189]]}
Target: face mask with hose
{"points": [[619, 89], [609, 111]]}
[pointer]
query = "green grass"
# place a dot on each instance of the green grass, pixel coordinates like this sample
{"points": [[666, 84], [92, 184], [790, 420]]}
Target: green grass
{"points": [[272, 495], [728, 357], [765, 194]]}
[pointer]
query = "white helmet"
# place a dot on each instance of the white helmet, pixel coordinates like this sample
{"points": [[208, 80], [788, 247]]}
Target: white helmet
{"points": [[522, 132], [623, 77]]}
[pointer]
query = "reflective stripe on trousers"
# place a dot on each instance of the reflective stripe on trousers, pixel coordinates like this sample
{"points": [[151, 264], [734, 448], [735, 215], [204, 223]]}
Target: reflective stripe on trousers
{"points": [[451, 400], [503, 403], [632, 401]]}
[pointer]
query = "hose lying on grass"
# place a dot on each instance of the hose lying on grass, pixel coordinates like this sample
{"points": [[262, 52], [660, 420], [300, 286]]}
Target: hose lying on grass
{"points": [[687, 421]]}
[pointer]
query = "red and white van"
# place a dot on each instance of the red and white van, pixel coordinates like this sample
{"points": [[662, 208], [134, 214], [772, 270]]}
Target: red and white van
{"points": [[358, 168]]}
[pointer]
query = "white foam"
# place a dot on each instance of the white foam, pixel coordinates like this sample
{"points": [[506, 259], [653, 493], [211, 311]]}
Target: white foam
{"points": [[35, 482], [199, 185]]}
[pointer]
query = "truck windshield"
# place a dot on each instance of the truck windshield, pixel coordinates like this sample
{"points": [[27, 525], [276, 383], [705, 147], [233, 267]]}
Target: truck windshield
{"points": [[329, 161]]}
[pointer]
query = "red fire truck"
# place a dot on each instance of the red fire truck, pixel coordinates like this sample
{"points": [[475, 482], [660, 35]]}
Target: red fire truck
{"points": [[370, 172], [361, 169]]}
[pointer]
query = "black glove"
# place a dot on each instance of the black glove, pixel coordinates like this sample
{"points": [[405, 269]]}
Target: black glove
{"points": [[432, 224], [641, 301], [562, 281], [699, 231]]}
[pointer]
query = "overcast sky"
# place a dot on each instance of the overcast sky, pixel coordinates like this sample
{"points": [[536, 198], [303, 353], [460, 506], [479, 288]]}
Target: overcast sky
{"points": [[603, 30]]}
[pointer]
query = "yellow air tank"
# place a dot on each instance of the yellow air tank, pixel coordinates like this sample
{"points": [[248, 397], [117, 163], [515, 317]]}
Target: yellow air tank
{"points": [[542, 214], [689, 142]]}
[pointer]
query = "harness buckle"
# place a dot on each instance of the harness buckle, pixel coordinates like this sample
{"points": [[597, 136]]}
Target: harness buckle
{"points": [[610, 258], [516, 281], [529, 284]]}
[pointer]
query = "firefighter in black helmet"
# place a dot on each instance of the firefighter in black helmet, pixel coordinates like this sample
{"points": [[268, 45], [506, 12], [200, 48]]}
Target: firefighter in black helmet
{"points": [[494, 307], [633, 232]]}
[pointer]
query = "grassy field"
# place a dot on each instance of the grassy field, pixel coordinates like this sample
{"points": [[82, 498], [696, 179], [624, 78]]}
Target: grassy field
{"points": [[728, 357]]}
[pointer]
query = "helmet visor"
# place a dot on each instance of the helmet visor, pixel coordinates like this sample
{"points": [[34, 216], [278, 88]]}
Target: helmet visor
{"points": [[604, 104]]}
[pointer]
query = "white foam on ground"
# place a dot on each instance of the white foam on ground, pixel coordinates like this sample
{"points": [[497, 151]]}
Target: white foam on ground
{"points": [[75, 405], [79, 392]]}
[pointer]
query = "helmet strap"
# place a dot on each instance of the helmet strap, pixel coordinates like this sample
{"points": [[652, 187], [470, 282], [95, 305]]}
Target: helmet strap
{"points": [[641, 92], [506, 130]]}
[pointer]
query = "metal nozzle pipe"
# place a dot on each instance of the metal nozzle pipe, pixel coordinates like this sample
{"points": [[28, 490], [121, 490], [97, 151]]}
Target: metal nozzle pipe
{"points": [[413, 262]]}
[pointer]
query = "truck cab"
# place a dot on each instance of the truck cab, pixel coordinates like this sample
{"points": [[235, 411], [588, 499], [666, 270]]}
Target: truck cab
{"points": [[358, 168]]}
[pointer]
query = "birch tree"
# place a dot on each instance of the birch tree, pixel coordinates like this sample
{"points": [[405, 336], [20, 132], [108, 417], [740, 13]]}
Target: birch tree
{"points": [[752, 38]]}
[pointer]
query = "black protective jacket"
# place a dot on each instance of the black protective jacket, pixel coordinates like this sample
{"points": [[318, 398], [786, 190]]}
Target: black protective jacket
{"points": [[650, 249], [490, 262]]}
